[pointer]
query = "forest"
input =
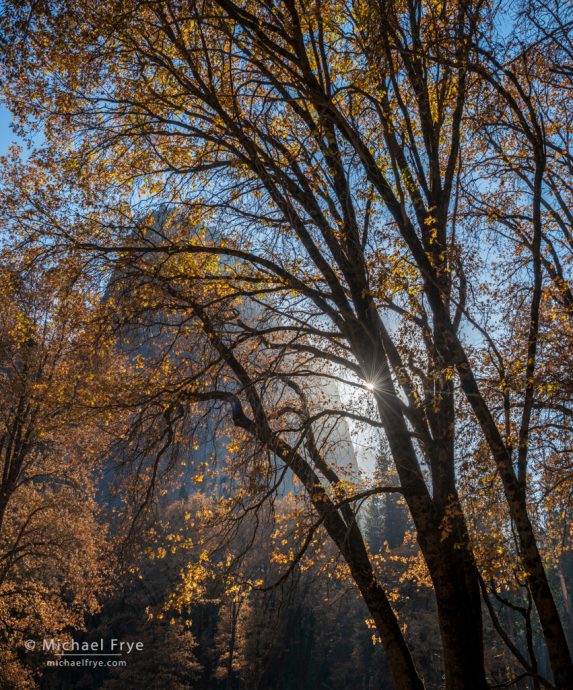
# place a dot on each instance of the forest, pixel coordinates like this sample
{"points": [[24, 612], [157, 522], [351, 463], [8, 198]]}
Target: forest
{"points": [[286, 344]]}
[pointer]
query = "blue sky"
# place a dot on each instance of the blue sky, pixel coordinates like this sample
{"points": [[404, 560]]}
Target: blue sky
{"points": [[6, 135]]}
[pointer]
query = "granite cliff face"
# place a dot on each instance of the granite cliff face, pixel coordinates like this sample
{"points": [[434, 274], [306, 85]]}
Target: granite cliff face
{"points": [[197, 459]]}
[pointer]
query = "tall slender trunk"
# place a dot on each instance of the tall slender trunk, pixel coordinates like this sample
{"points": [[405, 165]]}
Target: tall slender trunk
{"points": [[351, 544], [553, 630], [399, 659], [537, 581], [344, 531], [456, 587]]}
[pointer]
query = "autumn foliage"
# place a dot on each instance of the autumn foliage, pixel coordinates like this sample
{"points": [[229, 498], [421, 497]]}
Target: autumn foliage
{"points": [[269, 235]]}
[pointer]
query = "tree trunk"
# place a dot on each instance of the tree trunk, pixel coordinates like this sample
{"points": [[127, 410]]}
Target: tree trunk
{"points": [[553, 631], [396, 651], [347, 536], [459, 611], [456, 587], [549, 618]]}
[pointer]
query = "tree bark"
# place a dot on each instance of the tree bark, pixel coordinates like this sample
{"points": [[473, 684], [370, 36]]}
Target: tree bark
{"points": [[456, 587]]}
